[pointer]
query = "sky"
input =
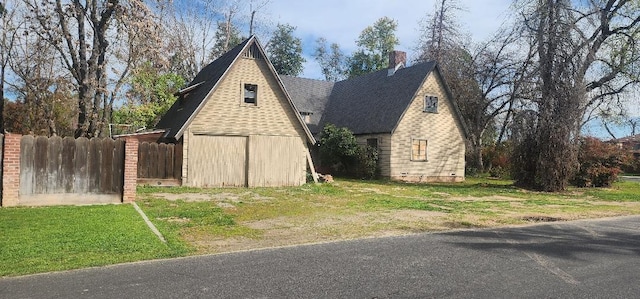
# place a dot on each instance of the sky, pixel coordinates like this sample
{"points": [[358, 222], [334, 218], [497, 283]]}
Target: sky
{"points": [[341, 21]]}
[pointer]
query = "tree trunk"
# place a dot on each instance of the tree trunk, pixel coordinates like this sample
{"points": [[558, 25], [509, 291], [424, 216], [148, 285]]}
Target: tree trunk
{"points": [[475, 154]]}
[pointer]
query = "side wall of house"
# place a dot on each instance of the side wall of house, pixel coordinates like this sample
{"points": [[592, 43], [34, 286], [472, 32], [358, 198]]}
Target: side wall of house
{"points": [[226, 114], [384, 150], [445, 150]]}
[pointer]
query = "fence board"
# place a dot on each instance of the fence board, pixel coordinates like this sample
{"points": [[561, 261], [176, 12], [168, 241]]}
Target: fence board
{"points": [[27, 154], [68, 158], [81, 166], [106, 165], [118, 164], [159, 161], [40, 164], [54, 161], [94, 165], [153, 160], [162, 162], [143, 160], [168, 160]]}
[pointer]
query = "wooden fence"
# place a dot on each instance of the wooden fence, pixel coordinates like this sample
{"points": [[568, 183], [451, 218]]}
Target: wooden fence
{"points": [[159, 163], [86, 171]]}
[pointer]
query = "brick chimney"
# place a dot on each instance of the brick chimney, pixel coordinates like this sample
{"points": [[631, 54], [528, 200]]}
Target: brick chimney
{"points": [[397, 60]]}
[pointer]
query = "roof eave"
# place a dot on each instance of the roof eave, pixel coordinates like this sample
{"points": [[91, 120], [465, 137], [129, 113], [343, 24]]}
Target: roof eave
{"points": [[186, 124], [310, 137]]}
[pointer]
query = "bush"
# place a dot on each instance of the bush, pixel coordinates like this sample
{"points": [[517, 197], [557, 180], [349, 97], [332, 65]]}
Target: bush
{"points": [[339, 150], [600, 163], [497, 159], [367, 167]]}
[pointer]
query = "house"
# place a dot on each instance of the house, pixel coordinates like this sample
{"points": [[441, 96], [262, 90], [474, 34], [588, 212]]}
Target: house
{"points": [[238, 126], [630, 143], [405, 112]]}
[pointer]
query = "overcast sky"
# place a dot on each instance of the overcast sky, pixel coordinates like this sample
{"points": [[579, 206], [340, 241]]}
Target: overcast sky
{"points": [[341, 21]]}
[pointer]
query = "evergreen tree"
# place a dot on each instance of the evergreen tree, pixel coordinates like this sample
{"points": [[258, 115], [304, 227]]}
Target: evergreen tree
{"points": [[374, 44], [285, 51], [224, 44]]}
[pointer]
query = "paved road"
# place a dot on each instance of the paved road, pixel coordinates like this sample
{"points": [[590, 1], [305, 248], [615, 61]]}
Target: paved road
{"points": [[629, 178], [585, 259]]}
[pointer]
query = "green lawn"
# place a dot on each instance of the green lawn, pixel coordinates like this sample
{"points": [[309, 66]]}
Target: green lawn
{"points": [[197, 221], [44, 239]]}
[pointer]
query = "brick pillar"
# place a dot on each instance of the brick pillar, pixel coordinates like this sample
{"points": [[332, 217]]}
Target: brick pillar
{"points": [[130, 169], [11, 170]]}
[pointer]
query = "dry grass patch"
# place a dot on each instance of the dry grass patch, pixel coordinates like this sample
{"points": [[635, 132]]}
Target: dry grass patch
{"points": [[348, 209]]}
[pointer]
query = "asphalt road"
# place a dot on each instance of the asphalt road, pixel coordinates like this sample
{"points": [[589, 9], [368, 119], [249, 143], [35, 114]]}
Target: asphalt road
{"points": [[581, 259], [629, 178]]}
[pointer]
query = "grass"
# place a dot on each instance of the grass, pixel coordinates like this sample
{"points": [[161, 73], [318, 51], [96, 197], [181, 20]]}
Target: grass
{"points": [[60, 238], [197, 221]]}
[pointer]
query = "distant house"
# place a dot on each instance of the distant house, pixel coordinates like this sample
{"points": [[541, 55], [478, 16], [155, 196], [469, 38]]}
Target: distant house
{"points": [[631, 143], [406, 112], [238, 126]]}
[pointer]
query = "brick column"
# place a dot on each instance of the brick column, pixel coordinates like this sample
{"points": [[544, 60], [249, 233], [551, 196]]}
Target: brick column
{"points": [[11, 170], [130, 169]]}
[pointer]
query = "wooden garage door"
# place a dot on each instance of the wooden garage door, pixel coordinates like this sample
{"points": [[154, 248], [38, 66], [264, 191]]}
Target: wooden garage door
{"points": [[217, 161], [276, 161]]}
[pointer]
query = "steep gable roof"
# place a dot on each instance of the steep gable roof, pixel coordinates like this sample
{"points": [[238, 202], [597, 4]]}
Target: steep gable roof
{"points": [[368, 104], [374, 103], [193, 97]]}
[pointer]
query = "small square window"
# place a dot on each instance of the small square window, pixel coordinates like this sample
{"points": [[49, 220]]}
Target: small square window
{"points": [[372, 142], [431, 104], [251, 94], [419, 150], [306, 116]]}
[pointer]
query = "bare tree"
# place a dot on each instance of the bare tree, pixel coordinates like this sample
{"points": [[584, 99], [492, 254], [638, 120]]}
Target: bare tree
{"points": [[81, 34], [38, 81], [332, 60], [584, 56], [481, 78], [439, 32], [189, 33], [8, 35]]}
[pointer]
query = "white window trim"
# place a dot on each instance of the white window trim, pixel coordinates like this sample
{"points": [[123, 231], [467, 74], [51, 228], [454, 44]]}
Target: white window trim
{"points": [[245, 104]]}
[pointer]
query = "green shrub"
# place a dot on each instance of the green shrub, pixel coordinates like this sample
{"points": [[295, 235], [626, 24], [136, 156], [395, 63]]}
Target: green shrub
{"points": [[339, 151], [367, 167]]}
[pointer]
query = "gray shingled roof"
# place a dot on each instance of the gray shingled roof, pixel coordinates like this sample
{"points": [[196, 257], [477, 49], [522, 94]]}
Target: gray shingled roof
{"points": [[177, 117], [374, 103], [310, 96]]}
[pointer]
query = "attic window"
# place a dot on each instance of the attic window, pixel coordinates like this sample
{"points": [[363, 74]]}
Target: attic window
{"points": [[431, 104], [251, 94]]}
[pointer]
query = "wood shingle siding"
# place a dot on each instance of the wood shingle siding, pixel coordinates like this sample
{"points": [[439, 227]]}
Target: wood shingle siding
{"points": [[445, 142], [226, 113], [239, 128]]}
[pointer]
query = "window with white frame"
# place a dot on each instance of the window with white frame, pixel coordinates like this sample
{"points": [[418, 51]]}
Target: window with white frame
{"points": [[250, 94], [431, 104]]}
